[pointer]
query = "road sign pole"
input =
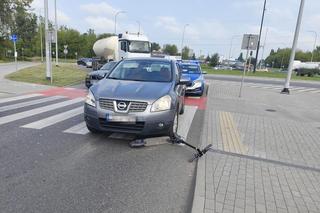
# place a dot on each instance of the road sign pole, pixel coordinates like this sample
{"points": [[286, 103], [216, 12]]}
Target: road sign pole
{"points": [[15, 54], [293, 51]]}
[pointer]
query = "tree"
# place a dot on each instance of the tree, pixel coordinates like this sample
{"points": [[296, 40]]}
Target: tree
{"points": [[194, 57], [214, 61], [170, 49], [240, 58], [8, 11], [185, 53], [104, 35], [207, 59], [155, 46]]}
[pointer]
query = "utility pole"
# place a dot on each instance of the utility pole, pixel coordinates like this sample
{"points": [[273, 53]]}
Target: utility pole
{"points": [[48, 53], [261, 26], [315, 43], [56, 31], [264, 45], [293, 51], [183, 32]]}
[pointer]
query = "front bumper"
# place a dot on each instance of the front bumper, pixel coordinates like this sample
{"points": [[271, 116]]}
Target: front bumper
{"points": [[148, 124], [195, 90]]}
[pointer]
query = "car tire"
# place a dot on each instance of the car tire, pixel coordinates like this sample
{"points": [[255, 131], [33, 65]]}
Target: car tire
{"points": [[181, 110], [93, 130], [174, 126]]}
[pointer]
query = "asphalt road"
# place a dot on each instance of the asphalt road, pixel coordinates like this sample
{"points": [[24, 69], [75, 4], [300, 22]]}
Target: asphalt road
{"points": [[263, 81], [49, 170]]}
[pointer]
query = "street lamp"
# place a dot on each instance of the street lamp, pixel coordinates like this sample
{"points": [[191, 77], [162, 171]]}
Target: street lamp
{"points": [[56, 31], [183, 32], [261, 26], [293, 51], [315, 42], [115, 20], [139, 26], [231, 44]]}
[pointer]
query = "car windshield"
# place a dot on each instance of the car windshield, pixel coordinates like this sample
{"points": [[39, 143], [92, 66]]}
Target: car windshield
{"points": [[143, 70], [190, 68], [139, 46], [108, 66]]}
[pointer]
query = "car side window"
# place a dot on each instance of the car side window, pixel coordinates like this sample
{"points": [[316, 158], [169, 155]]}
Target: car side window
{"points": [[124, 46], [178, 71]]}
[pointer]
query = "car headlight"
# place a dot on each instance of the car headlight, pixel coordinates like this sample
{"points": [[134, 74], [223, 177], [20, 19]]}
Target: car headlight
{"points": [[162, 104], [197, 84], [90, 99]]}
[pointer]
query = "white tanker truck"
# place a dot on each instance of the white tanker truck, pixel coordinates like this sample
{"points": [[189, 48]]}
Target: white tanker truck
{"points": [[115, 48]]}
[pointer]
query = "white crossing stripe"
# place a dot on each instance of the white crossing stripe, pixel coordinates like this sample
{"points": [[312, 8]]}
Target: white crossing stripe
{"points": [[16, 98], [307, 90], [29, 103], [54, 119], [80, 129], [29, 113], [185, 120]]}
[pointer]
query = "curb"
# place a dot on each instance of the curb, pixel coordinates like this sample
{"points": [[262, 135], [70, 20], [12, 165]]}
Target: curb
{"points": [[199, 195]]}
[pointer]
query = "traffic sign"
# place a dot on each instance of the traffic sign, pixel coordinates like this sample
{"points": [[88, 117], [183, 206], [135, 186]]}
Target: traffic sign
{"points": [[65, 51], [13, 37], [250, 42]]}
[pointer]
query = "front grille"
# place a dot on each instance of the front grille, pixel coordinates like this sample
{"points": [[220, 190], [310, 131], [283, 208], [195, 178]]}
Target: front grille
{"points": [[122, 126], [106, 104], [134, 107], [138, 106]]}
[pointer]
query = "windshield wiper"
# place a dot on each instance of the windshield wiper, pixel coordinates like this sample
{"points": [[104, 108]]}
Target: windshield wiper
{"points": [[114, 78]]}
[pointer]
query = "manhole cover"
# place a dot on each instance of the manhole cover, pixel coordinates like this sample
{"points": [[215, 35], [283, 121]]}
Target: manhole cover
{"points": [[271, 110]]}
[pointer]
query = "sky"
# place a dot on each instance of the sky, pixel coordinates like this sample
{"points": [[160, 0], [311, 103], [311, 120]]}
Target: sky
{"points": [[211, 23]]}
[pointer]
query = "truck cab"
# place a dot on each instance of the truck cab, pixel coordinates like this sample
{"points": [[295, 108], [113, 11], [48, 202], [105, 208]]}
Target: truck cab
{"points": [[133, 45]]}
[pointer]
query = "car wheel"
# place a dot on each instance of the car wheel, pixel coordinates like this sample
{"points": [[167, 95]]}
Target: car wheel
{"points": [[93, 130], [174, 127], [181, 110]]}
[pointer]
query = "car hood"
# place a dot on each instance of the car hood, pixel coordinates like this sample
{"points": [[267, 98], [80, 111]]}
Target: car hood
{"points": [[193, 76], [131, 90]]}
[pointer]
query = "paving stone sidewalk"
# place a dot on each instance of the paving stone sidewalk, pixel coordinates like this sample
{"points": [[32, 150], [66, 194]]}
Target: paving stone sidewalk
{"points": [[266, 152]]}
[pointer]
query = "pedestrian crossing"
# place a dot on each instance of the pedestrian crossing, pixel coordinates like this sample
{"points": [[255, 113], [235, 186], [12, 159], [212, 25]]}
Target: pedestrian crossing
{"points": [[15, 110], [268, 86]]}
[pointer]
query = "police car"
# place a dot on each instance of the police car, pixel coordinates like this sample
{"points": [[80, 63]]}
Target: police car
{"points": [[192, 70]]}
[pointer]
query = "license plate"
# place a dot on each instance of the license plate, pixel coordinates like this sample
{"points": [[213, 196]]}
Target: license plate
{"points": [[120, 118]]}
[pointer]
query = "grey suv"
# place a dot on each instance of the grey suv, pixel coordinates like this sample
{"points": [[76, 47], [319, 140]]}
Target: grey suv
{"points": [[143, 96]]}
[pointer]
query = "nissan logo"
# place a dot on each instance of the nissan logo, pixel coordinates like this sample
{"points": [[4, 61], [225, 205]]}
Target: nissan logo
{"points": [[122, 105]]}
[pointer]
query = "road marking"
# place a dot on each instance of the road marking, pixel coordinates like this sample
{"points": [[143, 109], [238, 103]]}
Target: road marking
{"points": [[29, 103], [308, 90], [80, 129], [29, 113], [16, 98], [185, 120], [54, 119], [230, 135]]}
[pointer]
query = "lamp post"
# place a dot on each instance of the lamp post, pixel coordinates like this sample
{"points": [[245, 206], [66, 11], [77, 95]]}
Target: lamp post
{"points": [[183, 32], [293, 51], [48, 43], [315, 42], [138, 22], [56, 31], [231, 45], [115, 20], [261, 26]]}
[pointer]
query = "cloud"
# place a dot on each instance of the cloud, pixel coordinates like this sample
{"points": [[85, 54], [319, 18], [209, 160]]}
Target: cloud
{"points": [[98, 9], [100, 24], [169, 24]]}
